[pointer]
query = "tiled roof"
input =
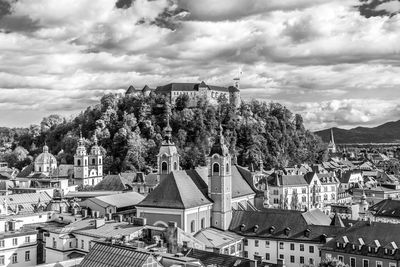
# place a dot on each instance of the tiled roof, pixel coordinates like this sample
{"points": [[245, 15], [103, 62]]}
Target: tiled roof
{"points": [[384, 233], [115, 182], [118, 200], [26, 201], [215, 259], [107, 255], [26, 171], [177, 190], [287, 180], [283, 224], [109, 229], [386, 208]]}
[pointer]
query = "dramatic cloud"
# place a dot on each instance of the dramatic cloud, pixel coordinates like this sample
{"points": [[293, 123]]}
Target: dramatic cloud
{"points": [[334, 62]]}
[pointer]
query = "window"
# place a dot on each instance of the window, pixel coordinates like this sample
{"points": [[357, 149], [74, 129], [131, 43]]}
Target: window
{"points": [[379, 264], [392, 264], [192, 226], [216, 168], [267, 257], [93, 161], [303, 199], [227, 168], [82, 244], [99, 161], [256, 243], [27, 255], [15, 241], [291, 246], [27, 239], [164, 167], [232, 249], [2, 260], [267, 244], [341, 258], [301, 260], [226, 251], [276, 201], [78, 162], [1, 243], [304, 190], [54, 243], [70, 244], [352, 262], [311, 261], [14, 258], [203, 223], [281, 256], [239, 247], [281, 245], [245, 254], [301, 247], [365, 263], [291, 258], [175, 166], [311, 249], [245, 242]]}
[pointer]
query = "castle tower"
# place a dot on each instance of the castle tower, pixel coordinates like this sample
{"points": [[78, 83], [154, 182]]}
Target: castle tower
{"points": [[96, 158], [81, 169], [234, 92], [220, 183], [168, 157], [332, 145]]}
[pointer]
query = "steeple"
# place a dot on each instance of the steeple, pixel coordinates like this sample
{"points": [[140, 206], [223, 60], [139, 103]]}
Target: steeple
{"points": [[168, 157], [219, 146], [332, 145]]}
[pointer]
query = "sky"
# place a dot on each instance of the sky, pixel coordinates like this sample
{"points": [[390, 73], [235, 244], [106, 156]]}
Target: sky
{"points": [[336, 62]]}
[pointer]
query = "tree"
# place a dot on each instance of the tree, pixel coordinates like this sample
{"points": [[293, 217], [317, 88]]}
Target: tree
{"points": [[50, 122], [332, 262], [182, 102]]}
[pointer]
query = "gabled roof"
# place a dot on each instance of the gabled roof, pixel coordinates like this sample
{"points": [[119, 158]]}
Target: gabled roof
{"points": [[130, 90], [26, 171], [178, 191], [386, 208], [273, 222], [107, 255], [287, 180]]}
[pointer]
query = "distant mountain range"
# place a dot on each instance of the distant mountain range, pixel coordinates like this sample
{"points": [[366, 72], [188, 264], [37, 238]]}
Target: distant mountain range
{"points": [[385, 133]]}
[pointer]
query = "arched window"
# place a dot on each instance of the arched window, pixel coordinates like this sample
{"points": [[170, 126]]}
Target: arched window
{"points": [[175, 166], [40, 169], [99, 160], [164, 167], [192, 226], [78, 162], [215, 168], [85, 162], [203, 223], [227, 168], [303, 199], [93, 161]]}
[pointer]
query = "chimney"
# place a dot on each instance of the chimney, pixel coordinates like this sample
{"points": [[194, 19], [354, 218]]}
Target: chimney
{"points": [[84, 213], [99, 222]]}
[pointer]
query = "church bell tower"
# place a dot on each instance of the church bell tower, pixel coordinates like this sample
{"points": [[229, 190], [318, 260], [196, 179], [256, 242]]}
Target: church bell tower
{"points": [[220, 183]]}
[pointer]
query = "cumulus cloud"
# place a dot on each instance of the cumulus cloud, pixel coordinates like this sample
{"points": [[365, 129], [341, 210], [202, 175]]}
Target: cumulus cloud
{"points": [[320, 58]]}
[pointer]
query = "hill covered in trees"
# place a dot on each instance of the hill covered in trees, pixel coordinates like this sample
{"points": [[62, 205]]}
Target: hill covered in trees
{"points": [[130, 130]]}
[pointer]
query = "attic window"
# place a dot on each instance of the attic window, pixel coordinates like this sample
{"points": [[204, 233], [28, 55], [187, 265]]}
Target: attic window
{"points": [[272, 229], [255, 229], [242, 226], [307, 233], [287, 231]]}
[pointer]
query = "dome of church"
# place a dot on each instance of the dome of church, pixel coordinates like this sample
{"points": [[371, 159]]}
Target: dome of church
{"points": [[45, 157]]}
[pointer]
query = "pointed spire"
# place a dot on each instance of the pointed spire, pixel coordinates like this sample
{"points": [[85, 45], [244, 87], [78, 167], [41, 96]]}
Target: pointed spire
{"points": [[168, 129], [332, 139], [95, 139]]}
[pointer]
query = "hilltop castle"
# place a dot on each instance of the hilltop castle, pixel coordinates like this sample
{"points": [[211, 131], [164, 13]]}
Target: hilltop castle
{"points": [[195, 91]]}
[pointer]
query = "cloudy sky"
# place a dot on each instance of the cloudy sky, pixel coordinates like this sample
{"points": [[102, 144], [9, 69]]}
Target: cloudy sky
{"points": [[335, 62]]}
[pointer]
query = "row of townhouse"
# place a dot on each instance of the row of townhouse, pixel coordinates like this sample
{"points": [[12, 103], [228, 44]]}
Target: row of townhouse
{"points": [[288, 236]]}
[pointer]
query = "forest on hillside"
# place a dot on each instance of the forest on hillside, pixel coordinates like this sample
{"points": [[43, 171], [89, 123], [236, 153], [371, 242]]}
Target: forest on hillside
{"points": [[130, 131]]}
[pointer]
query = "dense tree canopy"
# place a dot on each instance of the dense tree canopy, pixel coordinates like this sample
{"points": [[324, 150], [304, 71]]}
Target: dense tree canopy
{"points": [[130, 130]]}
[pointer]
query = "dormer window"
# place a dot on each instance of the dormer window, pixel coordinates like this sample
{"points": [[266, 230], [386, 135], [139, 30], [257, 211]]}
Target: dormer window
{"points": [[307, 233], [242, 227], [272, 229], [287, 231], [255, 229]]}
